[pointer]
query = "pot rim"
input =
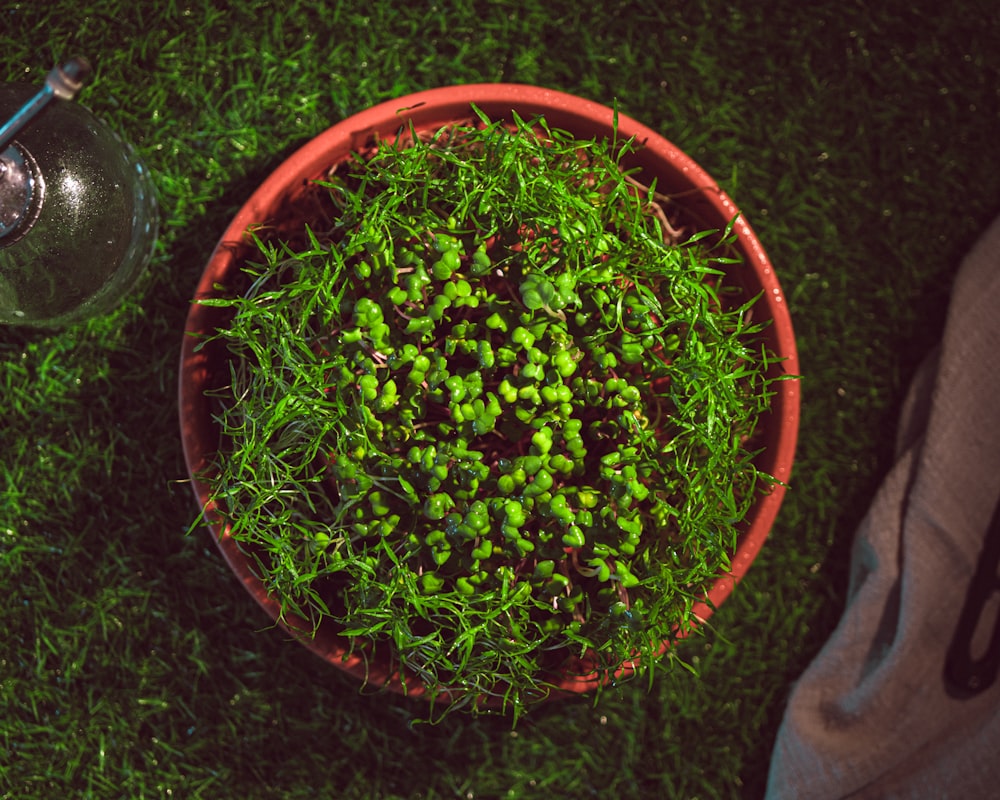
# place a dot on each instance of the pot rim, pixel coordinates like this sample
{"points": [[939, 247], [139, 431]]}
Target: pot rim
{"points": [[435, 108]]}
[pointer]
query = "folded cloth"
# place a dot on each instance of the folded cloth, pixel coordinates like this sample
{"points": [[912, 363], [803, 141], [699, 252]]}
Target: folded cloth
{"points": [[877, 714]]}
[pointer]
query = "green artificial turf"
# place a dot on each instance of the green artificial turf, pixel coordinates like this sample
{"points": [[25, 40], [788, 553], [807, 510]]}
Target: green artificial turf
{"points": [[860, 141]]}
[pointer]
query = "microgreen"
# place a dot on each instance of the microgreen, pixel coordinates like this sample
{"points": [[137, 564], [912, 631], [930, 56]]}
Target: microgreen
{"points": [[489, 411]]}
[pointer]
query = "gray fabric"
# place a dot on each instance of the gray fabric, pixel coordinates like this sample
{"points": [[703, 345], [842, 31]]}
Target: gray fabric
{"points": [[871, 717]]}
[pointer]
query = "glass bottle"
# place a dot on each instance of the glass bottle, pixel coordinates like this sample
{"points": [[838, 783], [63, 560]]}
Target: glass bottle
{"points": [[78, 214]]}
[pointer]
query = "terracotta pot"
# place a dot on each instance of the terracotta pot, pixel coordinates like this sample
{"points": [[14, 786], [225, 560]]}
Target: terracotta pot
{"points": [[676, 174]]}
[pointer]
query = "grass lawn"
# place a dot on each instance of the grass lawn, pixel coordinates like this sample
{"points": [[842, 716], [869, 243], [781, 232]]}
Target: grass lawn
{"points": [[858, 138]]}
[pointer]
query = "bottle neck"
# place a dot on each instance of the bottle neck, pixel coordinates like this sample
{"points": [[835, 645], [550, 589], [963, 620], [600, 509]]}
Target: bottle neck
{"points": [[22, 190]]}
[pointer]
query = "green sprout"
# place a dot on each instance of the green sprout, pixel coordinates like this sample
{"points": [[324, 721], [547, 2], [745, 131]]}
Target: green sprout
{"points": [[496, 417]]}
